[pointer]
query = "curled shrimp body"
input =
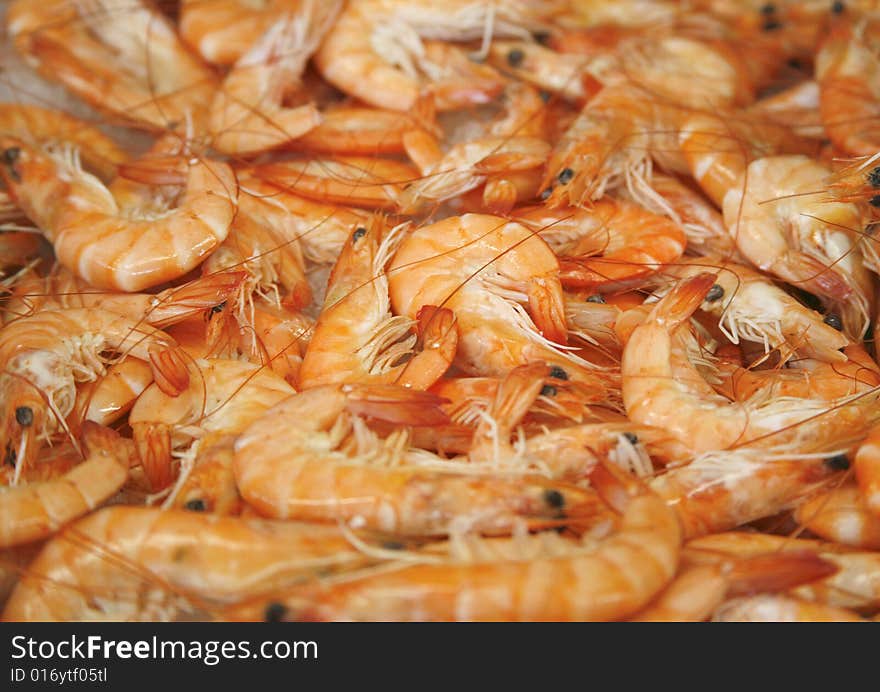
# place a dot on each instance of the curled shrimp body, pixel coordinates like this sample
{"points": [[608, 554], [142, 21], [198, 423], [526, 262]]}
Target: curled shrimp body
{"points": [[37, 510], [321, 464], [784, 225], [121, 56], [848, 73], [42, 357], [248, 115], [357, 339], [484, 268], [113, 247], [223, 397], [375, 50], [654, 395], [577, 583], [106, 400], [610, 246], [133, 563]]}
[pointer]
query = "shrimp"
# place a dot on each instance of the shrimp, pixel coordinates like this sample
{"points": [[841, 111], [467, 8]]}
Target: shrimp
{"points": [[749, 307], [224, 396], [210, 485], [782, 224], [356, 338], [106, 400], [484, 268], [42, 357], [654, 395], [609, 581], [796, 107], [50, 128], [840, 515], [718, 491], [867, 468], [359, 181], [247, 114], [321, 229], [610, 246], [718, 148], [299, 461], [855, 585], [375, 51], [134, 563], [121, 249], [773, 608], [121, 56], [698, 590], [63, 290], [848, 73], [221, 31], [35, 511]]}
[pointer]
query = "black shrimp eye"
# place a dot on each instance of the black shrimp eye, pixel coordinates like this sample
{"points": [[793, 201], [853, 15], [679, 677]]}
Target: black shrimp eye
{"points": [[542, 37], [769, 8], [10, 155], [545, 194], [515, 57], [833, 320], [874, 177], [393, 545], [565, 176], [714, 293], [632, 438], [837, 7], [196, 505], [874, 201], [598, 298], [24, 416], [218, 308], [558, 373], [548, 390], [554, 498], [545, 95], [772, 25], [275, 612], [838, 462], [359, 233]]}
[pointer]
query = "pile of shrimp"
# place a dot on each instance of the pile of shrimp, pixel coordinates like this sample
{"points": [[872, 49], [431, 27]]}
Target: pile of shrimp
{"points": [[407, 310]]}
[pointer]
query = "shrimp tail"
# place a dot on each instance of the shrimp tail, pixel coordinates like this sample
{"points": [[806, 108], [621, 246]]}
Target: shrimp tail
{"points": [[395, 404], [153, 444], [169, 369], [438, 341], [548, 308], [678, 305], [778, 571], [195, 297], [812, 275]]}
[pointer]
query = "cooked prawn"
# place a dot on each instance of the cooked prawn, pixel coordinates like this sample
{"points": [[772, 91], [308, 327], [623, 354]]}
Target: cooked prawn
{"points": [[37, 510], [357, 339], [122, 249]]}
